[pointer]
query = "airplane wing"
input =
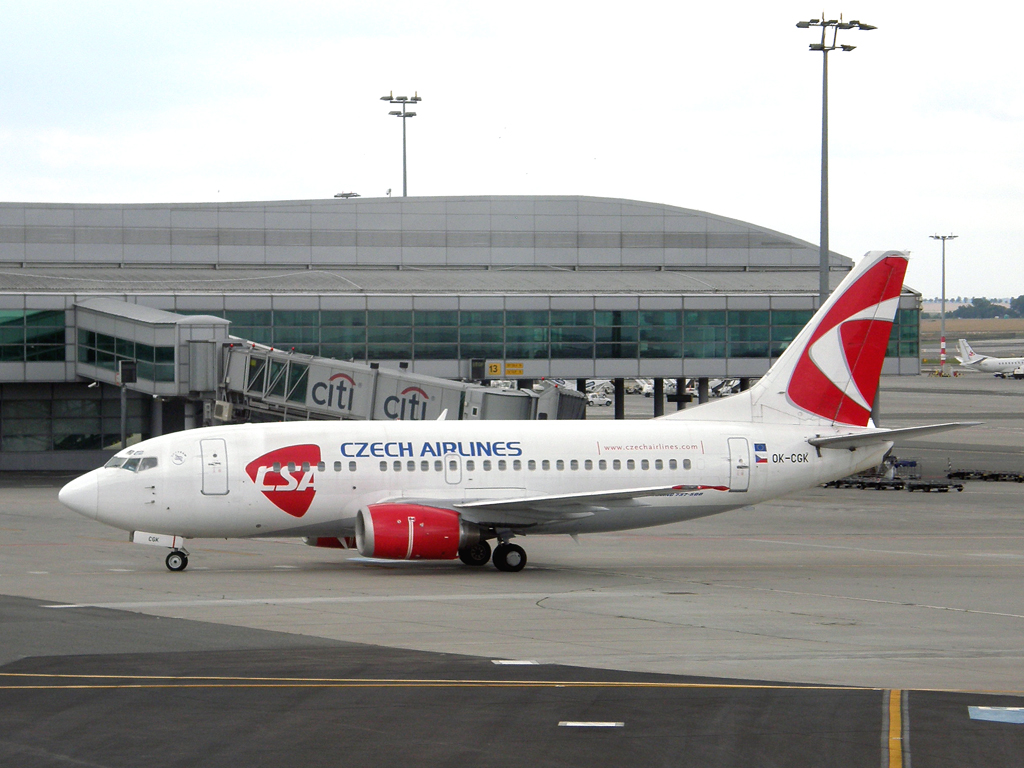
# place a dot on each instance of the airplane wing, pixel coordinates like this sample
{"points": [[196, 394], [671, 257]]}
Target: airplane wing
{"points": [[874, 437]]}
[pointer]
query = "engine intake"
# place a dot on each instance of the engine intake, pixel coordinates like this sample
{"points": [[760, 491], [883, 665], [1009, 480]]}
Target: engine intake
{"points": [[413, 532]]}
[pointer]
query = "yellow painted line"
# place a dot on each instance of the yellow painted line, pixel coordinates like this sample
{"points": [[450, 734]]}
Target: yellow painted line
{"points": [[895, 729]]}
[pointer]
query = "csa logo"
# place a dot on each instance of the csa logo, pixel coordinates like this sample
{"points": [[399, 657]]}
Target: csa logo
{"points": [[286, 477]]}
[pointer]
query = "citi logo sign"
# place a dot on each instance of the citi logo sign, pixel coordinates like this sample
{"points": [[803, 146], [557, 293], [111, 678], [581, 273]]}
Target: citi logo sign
{"points": [[337, 392], [287, 477], [410, 405]]}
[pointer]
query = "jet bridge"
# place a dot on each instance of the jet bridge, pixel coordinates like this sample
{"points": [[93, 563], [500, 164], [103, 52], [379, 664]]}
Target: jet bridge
{"points": [[194, 359]]}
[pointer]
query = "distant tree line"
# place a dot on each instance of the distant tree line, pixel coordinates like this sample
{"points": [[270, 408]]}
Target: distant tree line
{"points": [[982, 307]]}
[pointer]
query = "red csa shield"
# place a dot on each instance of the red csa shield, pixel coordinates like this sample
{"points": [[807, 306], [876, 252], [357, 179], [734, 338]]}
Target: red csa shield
{"points": [[288, 490]]}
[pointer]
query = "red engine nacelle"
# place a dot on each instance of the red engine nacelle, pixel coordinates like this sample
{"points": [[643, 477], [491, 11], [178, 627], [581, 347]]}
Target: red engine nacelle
{"points": [[412, 532]]}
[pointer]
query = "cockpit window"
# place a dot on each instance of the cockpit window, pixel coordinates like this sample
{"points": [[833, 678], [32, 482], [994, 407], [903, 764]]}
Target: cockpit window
{"points": [[132, 465], [114, 463], [148, 462]]}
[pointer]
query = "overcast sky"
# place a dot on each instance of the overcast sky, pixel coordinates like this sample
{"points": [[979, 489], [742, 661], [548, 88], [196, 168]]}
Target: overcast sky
{"points": [[711, 106]]}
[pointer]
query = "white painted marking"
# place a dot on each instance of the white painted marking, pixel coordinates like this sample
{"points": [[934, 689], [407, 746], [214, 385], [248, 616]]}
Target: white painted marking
{"points": [[121, 570], [589, 724], [287, 567], [514, 662], [39, 573], [998, 714]]}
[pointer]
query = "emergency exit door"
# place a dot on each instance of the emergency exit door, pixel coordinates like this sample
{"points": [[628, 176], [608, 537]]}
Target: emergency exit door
{"points": [[215, 466], [739, 464]]}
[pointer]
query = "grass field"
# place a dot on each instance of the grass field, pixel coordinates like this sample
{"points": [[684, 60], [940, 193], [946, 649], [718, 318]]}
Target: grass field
{"points": [[989, 328]]}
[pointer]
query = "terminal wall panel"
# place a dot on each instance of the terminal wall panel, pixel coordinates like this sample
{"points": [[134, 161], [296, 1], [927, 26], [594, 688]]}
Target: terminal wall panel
{"points": [[12, 372], [686, 257], [334, 254], [704, 302], [190, 304], [512, 256], [193, 254], [112, 253], [296, 301], [548, 223], [468, 256], [418, 256], [50, 216], [413, 207], [423, 223], [466, 222], [701, 368], [524, 302], [49, 252], [341, 302], [435, 302], [624, 303], [792, 302], [746, 367], [157, 216], [154, 254], [551, 206], [601, 257], [562, 256], [480, 302], [512, 222], [444, 369], [284, 254], [599, 209], [611, 222], [390, 221], [663, 368], [299, 220], [347, 221], [661, 302], [572, 369], [241, 254], [468, 207], [572, 302], [611, 369], [379, 255], [747, 302], [642, 223], [643, 257]]}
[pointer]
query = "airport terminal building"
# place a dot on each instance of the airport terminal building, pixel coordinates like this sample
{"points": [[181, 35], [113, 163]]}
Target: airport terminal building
{"points": [[527, 287]]}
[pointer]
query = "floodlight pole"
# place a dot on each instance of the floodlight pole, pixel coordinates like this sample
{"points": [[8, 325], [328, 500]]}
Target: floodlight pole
{"points": [[942, 309], [404, 101], [833, 25]]}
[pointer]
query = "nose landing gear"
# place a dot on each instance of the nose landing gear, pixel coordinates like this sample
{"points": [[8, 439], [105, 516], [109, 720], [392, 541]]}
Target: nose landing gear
{"points": [[177, 560]]}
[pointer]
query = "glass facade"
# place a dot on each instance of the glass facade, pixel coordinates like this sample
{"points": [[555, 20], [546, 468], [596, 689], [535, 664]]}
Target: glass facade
{"points": [[65, 417], [34, 335], [539, 334]]}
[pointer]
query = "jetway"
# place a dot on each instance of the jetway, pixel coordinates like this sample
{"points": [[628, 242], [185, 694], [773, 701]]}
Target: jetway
{"points": [[263, 381]]}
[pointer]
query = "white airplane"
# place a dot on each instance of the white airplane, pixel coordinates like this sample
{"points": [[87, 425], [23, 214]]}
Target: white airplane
{"points": [[1000, 366], [440, 490]]}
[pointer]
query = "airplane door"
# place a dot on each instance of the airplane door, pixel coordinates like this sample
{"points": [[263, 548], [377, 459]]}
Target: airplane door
{"points": [[739, 464], [453, 469], [215, 466]]}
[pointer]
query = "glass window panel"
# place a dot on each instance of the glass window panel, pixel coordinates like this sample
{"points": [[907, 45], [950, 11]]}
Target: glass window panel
{"points": [[481, 351], [42, 353], [164, 372], [572, 351], [276, 379], [296, 335], [344, 351], [389, 335], [389, 352], [261, 335], [616, 333], [25, 409], [705, 333], [12, 353], [75, 408], [436, 352], [296, 317], [798, 317], [298, 374], [661, 333], [908, 332], [25, 443], [532, 335], [66, 426], [124, 348], [748, 317], [164, 354], [48, 318], [652, 350], [144, 352], [527, 317], [12, 317], [257, 374], [83, 441], [12, 334], [908, 349], [439, 335], [352, 318], [105, 360], [705, 350], [251, 317], [615, 317], [347, 335], [748, 349], [668, 317], [482, 335], [388, 317], [617, 351], [571, 317], [893, 348], [145, 370], [526, 351], [748, 333], [475, 318], [86, 355], [436, 317], [704, 317], [567, 334]]}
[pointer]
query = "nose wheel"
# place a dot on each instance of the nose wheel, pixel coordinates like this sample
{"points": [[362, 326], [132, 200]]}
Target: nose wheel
{"points": [[509, 557], [177, 560]]}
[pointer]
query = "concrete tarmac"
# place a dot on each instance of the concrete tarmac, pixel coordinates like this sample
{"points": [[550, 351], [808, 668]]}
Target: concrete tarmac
{"points": [[879, 591]]}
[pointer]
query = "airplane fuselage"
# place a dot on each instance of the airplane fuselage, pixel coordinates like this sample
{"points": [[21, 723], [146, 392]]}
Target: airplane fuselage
{"points": [[311, 479]]}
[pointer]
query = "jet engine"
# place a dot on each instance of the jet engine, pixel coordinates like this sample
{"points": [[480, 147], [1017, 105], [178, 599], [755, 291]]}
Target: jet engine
{"points": [[413, 532]]}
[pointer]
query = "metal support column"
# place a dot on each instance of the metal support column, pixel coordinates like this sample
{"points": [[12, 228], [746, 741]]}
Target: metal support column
{"points": [[620, 398], [702, 389], [659, 397]]}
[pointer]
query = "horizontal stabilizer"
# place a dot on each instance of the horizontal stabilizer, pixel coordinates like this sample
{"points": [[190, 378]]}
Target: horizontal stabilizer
{"points": [[874, 437]]}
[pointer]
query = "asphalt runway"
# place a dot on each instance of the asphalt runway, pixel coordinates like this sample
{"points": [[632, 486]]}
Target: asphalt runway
{"points": [[884, 609]]}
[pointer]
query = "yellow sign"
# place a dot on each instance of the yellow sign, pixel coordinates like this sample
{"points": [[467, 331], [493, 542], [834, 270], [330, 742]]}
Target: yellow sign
{"points": [[494, 369], [513, 369]]}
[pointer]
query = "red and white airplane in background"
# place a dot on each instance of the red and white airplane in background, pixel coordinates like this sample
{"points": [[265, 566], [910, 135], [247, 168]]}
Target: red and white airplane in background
{"points": [[445, 489], [1000, 366]]}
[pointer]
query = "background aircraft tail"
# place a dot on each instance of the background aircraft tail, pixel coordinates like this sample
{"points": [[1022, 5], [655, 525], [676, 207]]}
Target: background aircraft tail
{"points": [[829, 373], [967, 355]]}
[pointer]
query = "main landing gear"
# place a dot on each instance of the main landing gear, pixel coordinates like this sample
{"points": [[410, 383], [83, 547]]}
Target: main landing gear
{"points": [[177, 560], [507, 557]]}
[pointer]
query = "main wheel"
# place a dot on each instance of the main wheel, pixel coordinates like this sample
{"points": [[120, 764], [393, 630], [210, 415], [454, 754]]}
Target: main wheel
{"points": [[177, 561], [478, 554], [509, 557]]}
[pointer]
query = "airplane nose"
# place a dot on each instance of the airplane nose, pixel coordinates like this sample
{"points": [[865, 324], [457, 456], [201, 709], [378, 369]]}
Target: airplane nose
{"points": [[81, 495]]}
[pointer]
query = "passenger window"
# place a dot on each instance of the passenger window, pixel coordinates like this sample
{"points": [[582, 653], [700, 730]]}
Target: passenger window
{"points": [[398, 466], [531, 465], [602, 464], [686, 463], [616, 464], [439, 465], [148, 462], [424, 466], [574, 465], [588, 464], [291, 466], [487, 465], [630, 464], [502, 465], [545, 465], [645, 464], [337, 466], [659, 464], [453, 465], [305, 466], [351, 466], [560, 465], [277, 466], [383, 466], [672, 464], [470, 465], [321, 467], [132, 465], [410, 466], [517, 465]]}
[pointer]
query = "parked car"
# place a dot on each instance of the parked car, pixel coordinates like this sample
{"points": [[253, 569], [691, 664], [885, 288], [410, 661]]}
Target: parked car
{"points": [[598, 398]]}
